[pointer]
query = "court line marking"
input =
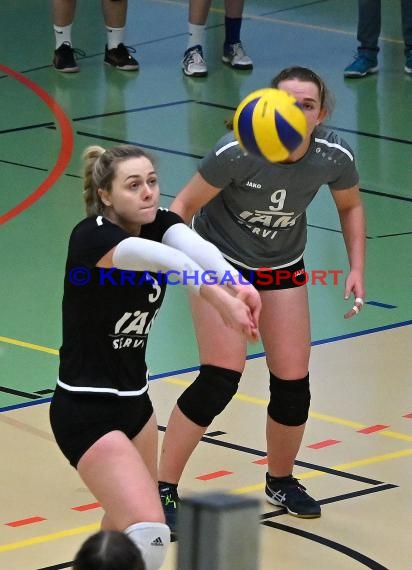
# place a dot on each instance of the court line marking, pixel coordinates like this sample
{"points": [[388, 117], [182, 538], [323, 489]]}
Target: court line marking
{"points": [[90, 528], [328, 543], [315, 415], [240, 396], [30, 345], [247, 16], [328, 340], [67, 144], [341, 467], [238, 491], [49, 537]]}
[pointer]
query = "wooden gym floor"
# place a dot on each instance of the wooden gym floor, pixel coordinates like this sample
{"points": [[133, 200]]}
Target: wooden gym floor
{"points": [[356, 457]]}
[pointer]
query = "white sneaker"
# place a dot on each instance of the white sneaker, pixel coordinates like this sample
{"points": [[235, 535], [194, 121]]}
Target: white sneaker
{"points": [[193, 63], [236, 57]]}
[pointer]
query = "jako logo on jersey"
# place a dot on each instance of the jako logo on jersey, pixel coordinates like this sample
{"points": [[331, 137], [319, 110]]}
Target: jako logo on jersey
{"points": [[253, 185]]}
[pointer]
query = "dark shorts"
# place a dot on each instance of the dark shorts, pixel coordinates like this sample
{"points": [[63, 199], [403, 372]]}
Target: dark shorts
{"points": [[273, 279], [79, 420]]}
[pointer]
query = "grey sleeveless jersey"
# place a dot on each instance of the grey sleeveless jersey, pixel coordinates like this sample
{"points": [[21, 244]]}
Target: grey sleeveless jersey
{"points": [[258, 219]]}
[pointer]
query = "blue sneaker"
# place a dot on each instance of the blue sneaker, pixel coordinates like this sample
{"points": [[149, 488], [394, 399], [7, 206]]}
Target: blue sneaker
{"points": [[408, 62], [365, 62], [287, 492]]}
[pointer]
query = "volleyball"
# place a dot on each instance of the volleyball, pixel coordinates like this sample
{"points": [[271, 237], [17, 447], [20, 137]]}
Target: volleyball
{"points": [[269, 123]]}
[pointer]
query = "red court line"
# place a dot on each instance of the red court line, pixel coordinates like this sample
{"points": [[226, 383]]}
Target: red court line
{"points": [[372, 429], [214, 475], [65, 150], [325, 443], [87, 507], [263, 461], [23, 522]]}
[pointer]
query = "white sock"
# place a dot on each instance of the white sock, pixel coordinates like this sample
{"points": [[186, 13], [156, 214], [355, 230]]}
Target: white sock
{"points": [[114, 37], [63, 34], [152, 539], [196, 35]]}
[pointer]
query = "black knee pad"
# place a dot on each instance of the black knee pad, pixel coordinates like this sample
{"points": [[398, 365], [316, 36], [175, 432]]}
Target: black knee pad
{"points": [[289, 400], [209, 394]]}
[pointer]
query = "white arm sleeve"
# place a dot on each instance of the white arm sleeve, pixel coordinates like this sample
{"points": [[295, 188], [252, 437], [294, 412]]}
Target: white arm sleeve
{"points": [[139, 254], [203, 252]]}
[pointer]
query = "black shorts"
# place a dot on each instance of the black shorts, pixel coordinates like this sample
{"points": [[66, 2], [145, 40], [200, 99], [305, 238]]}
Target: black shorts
{"points": [[273, 279], [79, 420]]}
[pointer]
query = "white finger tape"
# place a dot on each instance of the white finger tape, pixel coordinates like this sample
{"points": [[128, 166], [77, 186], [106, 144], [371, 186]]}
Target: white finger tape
{"points": [[356, 309], [359, 300]]}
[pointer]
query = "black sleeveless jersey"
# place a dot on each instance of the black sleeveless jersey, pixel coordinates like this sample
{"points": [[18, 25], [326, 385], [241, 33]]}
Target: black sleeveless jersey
{"points": [[107, 313]]}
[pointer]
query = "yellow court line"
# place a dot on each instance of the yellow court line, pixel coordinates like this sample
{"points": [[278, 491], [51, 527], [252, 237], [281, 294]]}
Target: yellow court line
{"points": [[240, 491], [341, 467], [238, 396], [314, 415], [49, 537], [357, 426], [28, 345]]}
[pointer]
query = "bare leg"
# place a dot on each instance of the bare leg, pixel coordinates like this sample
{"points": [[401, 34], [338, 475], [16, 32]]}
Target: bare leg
{"points": [[118, 477], [176, 449], [285, 331], [114, 13], [220, 346], [63, 12], [234, 8], [198, 11]]}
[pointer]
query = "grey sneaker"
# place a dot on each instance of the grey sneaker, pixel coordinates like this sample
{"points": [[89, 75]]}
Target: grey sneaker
{"points": [[287, 492], [235, 56], [193, 63]]}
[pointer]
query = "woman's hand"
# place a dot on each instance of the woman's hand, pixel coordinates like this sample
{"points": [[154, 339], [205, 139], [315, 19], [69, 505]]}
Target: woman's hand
{"points": [[236, 311], [354, 284], [250, 296]]}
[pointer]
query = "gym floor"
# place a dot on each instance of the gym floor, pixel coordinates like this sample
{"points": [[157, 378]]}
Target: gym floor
{"points": [[357, 452]]}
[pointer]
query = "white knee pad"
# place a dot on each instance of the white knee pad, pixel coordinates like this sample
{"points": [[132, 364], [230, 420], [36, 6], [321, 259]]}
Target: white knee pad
{"points": [[152, 539]]}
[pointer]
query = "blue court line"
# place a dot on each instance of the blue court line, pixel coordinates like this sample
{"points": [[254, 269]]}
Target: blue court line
{"points": [[152, 147], [304, 5], [250, 357], [371, 135], [383, 305], [392, 235], [324, 228], [135, 110], [386, 195]]}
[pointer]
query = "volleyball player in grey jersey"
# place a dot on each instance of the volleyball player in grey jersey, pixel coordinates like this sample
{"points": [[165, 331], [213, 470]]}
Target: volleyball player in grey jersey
{"points": [[254, 212], [258, 219]]}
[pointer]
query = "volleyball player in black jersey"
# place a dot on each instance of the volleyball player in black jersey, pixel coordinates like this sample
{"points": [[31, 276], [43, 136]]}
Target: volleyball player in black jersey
{"points": [[101, 414]]}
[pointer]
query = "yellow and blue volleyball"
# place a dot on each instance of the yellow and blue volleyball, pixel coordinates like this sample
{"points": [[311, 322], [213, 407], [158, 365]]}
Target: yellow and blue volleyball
{"points": [[269, 123]]}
